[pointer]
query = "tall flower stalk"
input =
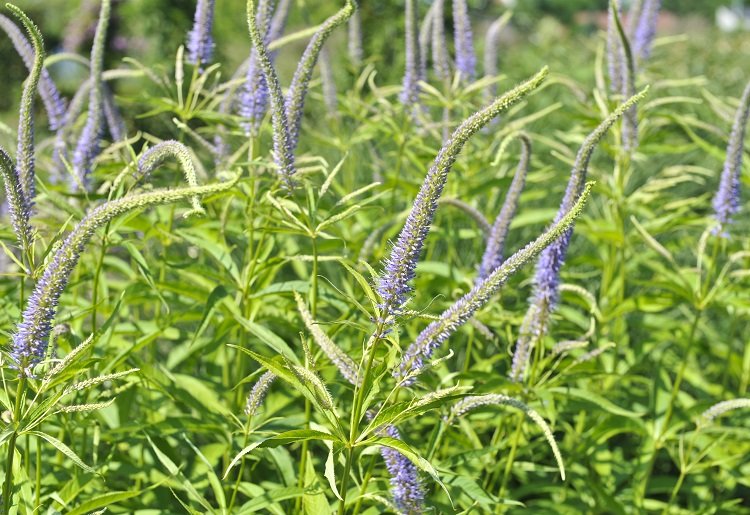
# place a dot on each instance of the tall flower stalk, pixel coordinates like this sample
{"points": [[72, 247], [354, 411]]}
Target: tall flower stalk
{"points": [[726, 202], [440, 60], [393, 286], [645, 30], [547, 277], [491, 54], [87, 147], [254, 96]]}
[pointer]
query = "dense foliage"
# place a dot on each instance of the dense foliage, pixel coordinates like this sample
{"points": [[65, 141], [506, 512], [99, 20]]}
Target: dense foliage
{"points": [[325, 281]]}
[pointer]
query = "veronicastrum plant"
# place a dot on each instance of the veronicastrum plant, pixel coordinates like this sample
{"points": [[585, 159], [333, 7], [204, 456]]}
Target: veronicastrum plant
{"points": [[342, 321]]}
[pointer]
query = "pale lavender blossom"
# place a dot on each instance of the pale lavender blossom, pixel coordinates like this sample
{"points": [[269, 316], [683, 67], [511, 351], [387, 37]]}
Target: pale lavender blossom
{"points": [[726, 202], [30, 341], [354, 39], [615, 52], [466, 61], [406, 487], [410, 87], [491, 46], [328, 80], [440, 60], [645, 30], [200, 43]]}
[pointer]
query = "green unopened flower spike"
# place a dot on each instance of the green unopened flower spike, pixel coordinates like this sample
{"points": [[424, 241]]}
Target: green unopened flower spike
{"points": [[32, 334], [720, 408], [20, 213], [25, 153], [156, 155], [344, 363], [295, 100]]}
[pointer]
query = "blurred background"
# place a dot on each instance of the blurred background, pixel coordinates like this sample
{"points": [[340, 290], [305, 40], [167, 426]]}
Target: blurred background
{"points": [[714, 33]]}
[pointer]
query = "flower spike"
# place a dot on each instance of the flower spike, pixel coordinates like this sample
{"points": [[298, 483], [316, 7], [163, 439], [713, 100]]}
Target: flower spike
{"points": [[726, 202], [393, 285]]}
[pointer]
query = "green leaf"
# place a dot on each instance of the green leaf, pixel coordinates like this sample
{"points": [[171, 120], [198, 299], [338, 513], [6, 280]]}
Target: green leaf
{"points": [[67, 451]]}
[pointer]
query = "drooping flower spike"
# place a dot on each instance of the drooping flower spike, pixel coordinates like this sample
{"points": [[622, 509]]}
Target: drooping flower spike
{"points": [[31, 338], [354, 39], [393, 286], [200, 43], [466, 61], [726, 202], [53, 102], [467, 404], [493, 253], [89, 141], [417, 356], [547, 276]]}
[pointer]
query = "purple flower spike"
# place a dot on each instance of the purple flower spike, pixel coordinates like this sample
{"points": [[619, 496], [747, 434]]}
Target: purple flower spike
{"points": [[466, 61], [253, 100], [547, 278], [645, 30], [200, 44], [493, 254], [726, 203], [405, 485]]}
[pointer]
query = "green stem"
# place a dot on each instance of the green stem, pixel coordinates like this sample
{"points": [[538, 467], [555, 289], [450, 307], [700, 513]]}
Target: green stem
{"points": [[365, 482], [509, 462], [8, 486], [345, 480]]}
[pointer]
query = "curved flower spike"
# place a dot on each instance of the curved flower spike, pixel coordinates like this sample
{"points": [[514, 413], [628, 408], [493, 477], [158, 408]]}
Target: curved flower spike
{"points": [[726, 202], [393, 286], [343, 362], [283, 152], [295, 99], [25, 153], [258, 393], [51, 98], [547, 277], [414, 359], [254, 97], [156, 155], [32, 334], [493, 253], [87, 147]]}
